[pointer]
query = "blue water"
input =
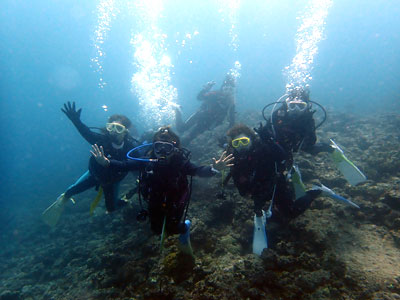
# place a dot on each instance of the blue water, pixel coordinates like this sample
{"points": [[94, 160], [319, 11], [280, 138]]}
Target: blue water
{"points": [[45, 60]]}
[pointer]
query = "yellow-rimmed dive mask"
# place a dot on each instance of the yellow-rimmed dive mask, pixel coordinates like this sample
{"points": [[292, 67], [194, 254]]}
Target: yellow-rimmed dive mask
{"points": [[242, 141], [115, 127]]}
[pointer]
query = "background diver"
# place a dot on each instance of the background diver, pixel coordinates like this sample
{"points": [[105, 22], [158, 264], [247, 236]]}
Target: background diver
{"points": [[216, 106], [163, 182], [115, 141]]}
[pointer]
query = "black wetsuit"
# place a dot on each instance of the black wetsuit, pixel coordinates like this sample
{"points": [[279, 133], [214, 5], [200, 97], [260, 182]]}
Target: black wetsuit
{"points": [[165, 188], [215, 107], [97, 175], [293, 134], [259, 174]]}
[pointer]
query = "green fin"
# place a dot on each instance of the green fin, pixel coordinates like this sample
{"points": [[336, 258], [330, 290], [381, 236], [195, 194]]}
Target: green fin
{"points": [[260, 241], [96, 200], [163, 234], [298, 185], [352, 174], [52, 214]]}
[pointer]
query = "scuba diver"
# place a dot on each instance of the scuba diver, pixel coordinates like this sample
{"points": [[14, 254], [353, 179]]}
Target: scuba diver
{"points": [[216, 106], [116, 142], [258, 173], [164, 168], [292, 126]]}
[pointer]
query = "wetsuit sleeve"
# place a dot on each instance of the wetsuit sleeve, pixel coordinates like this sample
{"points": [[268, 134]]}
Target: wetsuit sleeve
{"points": [[201, 171], [90, 136], [126, 165], [227, 178], [310, 137]]}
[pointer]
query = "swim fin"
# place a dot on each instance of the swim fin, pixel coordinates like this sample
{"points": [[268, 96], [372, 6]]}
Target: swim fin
{"points": [[52, 214], [184, 240], [162, 239], [96, 200], [297, 182], [328, 192], [352, 174], [260, 241]]}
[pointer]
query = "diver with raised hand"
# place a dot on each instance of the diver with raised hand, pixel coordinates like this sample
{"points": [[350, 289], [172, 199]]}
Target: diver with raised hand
{"points": [[216, 106], [115, 141], [292, 126], [164, 168]]}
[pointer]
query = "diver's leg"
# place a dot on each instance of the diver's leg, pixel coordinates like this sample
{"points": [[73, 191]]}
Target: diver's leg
{"points": [[320, 147], [259, 202], [109, 193], [287, 208], [197, 130], [183, 126], [85, 182]]}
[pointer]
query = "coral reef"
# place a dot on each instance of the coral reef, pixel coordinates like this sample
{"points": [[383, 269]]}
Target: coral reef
{"points": [[332, 251]]}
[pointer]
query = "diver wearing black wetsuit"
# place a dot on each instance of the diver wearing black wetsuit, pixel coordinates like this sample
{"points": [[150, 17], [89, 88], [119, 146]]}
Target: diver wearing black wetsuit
{"points": [[215, 107], [116, 142], [164, 180], [258, 172], [292, 126]]}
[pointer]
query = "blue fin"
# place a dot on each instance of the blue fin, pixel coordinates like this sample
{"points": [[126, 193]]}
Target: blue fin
{"points": [[328, 192]]}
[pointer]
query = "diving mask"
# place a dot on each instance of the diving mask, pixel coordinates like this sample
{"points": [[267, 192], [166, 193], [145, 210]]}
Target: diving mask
{"points": [[115, 127], [163, 148], [296, 105], [242, 141]]}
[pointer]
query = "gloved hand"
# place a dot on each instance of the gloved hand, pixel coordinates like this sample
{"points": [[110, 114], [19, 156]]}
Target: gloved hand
{"points": [[208, 85], [71, 112]]}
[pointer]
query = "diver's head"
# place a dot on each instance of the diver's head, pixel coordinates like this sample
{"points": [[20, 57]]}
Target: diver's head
{"points": [[118, 127], [166, 144], [298, 101], [241, 138]]}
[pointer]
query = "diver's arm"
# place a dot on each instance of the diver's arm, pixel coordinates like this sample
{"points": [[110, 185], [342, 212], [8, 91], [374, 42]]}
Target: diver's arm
{"points": [[206, 88], [201, 171], [223, 162], [310, 137], [126, 165], [116, 165], [75, 116], [226, 179]]}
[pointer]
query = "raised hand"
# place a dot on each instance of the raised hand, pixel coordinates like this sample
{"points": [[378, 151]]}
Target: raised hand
{"points": [[208, 85], [223, 162], [98, 154], [70, 111]]}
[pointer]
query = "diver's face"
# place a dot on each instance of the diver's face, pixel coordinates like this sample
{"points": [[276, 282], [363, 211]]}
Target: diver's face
{"points": [[241, 143], [296, 106], [163, 151], [117, 131]]}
